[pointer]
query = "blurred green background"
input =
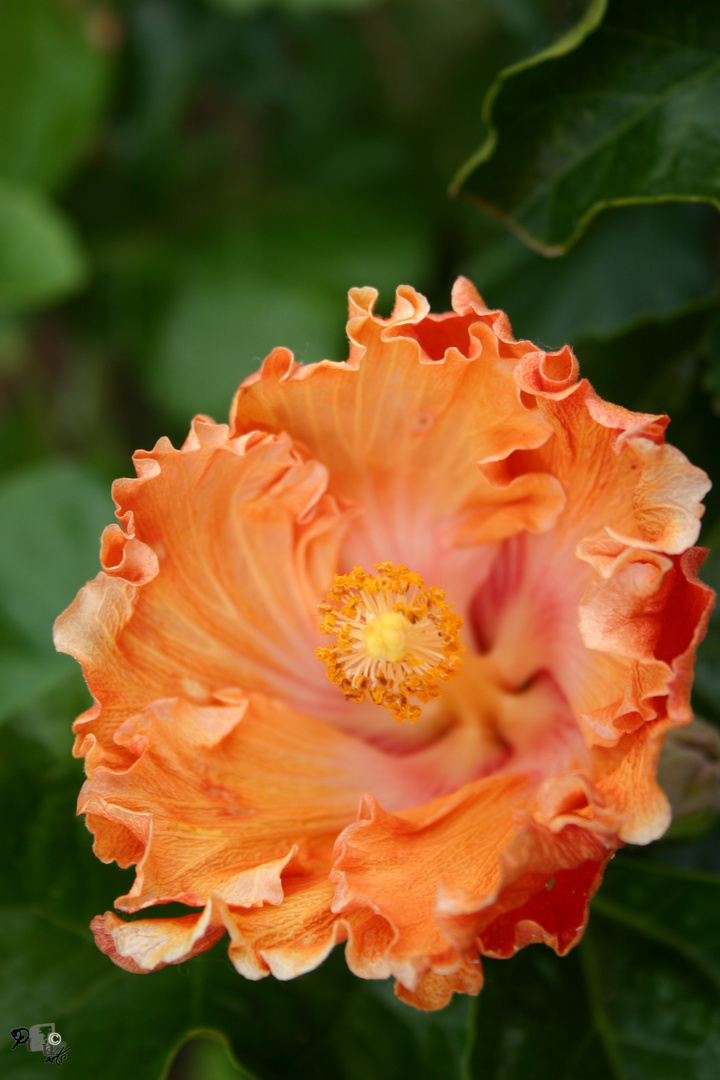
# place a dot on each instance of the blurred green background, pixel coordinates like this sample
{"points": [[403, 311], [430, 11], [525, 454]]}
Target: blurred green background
{"points": [[185, 184]]}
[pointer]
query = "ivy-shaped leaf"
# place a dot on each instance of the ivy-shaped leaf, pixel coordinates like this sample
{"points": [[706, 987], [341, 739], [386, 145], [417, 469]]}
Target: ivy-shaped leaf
{"points": [[623, 109]]}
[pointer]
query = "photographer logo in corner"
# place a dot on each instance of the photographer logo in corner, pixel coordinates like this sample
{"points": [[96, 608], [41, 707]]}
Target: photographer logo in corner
{"points": [[41, 1037]]}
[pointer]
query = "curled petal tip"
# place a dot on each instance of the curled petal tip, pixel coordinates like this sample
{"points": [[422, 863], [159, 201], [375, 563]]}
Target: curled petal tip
{"points": [[466, 298]]}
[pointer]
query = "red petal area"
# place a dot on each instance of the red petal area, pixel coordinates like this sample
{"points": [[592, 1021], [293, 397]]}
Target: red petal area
{"points": [[650, 612], [689, 608], [547, 879], [555, 913]]}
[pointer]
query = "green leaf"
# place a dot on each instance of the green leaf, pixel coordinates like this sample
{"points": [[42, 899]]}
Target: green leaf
{"points": [[40, 258], [25, 676], [673, 908], [51, 518], [621, 110], [326, 1025], [636, 264], [712, 350], [533, 1021], [209, 1057], [280, 280], [707, 670], [537, 20], [639, 997], [53, 78], [652, 965]]}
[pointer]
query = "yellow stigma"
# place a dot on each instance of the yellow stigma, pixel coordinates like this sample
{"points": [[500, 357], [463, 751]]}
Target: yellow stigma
{"points": [[394, 639], [385, 636]]}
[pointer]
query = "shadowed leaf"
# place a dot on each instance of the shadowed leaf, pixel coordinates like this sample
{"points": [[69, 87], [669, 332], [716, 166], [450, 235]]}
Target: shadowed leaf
{"points": [[621, 110]]}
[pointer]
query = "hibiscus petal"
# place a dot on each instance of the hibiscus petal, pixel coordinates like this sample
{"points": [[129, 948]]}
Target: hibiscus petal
{"points": [[228, 546], [221, 799], [395, 413], [616, 470], [630, 784], [434, 990], [548, 905], [391, 864], [289, 940], [285, 941], [149, 944], [493, 866], [652, 611]]}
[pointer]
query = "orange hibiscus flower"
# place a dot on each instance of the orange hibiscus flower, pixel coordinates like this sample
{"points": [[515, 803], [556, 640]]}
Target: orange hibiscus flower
{"points": [[465, 538]]}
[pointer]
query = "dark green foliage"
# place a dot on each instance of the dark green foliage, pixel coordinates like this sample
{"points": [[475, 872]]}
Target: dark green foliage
{"points": [[627, 115]]}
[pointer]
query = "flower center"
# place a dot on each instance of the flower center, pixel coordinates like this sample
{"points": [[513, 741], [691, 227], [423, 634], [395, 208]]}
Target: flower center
{"points": [[394, 639], [386, 637]]}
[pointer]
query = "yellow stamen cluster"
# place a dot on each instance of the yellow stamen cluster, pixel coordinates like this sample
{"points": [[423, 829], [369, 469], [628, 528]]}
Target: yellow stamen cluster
{"points": [[393, 638]]}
